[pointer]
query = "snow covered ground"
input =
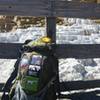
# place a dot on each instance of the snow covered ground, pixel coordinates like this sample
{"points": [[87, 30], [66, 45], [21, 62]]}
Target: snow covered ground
{"points": [[81, 32]]}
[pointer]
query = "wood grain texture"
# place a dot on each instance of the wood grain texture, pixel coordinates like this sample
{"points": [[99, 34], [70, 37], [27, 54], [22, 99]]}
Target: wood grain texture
{"points": [[82, 51], [77, 85], [74, 85], [24, 7], [49, 8], [51, 28], [10, 50], [75, 9]]}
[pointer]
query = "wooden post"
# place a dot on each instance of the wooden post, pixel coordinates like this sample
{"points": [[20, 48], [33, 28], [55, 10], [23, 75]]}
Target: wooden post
{"points": [[51, 28], [51, 22]]}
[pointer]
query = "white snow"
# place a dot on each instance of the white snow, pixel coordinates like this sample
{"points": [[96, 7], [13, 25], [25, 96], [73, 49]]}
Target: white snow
{"points": [[81, 32]]}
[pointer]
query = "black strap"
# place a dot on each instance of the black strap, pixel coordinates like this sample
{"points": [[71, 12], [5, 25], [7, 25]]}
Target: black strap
{"points": [[57, 85]]}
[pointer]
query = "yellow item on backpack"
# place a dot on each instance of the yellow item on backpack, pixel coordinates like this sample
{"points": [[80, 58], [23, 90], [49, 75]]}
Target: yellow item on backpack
{"points": [[46, 40], [41, 42]]}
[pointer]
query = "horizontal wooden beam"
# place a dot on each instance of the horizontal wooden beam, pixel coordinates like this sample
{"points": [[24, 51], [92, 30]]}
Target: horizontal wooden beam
{"points": [[10, 50], [24, 7], [82, 51], [49, 8], [83, 95], [77, 85], [74, 85], [76, 9]]}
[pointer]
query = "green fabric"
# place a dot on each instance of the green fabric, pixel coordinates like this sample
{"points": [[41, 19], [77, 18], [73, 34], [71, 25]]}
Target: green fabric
{"points": [[30, 84]]}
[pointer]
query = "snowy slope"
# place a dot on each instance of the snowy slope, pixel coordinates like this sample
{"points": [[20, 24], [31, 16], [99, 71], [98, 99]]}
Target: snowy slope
{"points": [[81, 32]]}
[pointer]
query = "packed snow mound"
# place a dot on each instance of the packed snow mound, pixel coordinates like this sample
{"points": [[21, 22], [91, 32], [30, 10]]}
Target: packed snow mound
{"points": [[81, 32], [89, 62], [20, 35], [71, 69], [6, 67]]}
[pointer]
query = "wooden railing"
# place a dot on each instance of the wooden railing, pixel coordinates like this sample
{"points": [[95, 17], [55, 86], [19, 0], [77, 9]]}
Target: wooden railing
{"points": [[52, 9]]}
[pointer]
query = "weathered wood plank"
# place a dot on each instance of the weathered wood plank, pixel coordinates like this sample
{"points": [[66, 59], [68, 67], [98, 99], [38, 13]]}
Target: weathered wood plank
{"points": [[74, 85], [50, 8], [81, 51], [24, 8], [90, 95], [81, 10], [23, 0], [77, 85], [9, 50], [43, 3], [51, 28]]}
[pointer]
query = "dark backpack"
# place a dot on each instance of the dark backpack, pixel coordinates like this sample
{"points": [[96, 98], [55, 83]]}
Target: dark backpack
{"points": [[48, 76]]}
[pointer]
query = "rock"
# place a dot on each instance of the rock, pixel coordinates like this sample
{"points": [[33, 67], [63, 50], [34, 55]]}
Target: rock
{"points": [[88, 62]]}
